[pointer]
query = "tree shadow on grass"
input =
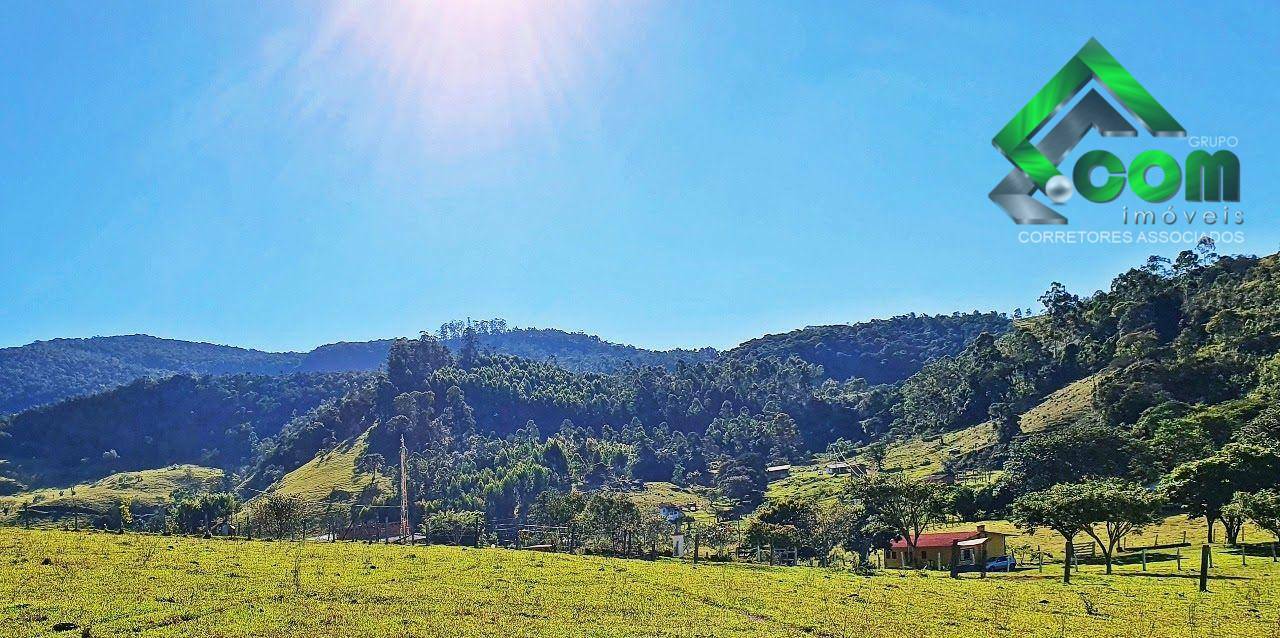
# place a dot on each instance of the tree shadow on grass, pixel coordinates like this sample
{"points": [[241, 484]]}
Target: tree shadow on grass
{"points": [[1152, 557], [1257, 550], [1212, 577]]}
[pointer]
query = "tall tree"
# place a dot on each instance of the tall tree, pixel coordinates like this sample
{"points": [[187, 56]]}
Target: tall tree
{"points": [[1205, 486], [1120, 508], [469, 354], [904, 505], [1263, 508], [1056, 508]]}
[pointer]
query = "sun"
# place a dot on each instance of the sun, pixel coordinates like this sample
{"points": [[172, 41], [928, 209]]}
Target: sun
{"points": [[461, 70]]}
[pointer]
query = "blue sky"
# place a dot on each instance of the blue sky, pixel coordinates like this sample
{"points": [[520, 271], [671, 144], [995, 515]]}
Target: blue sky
{"points": [[281, 175]]}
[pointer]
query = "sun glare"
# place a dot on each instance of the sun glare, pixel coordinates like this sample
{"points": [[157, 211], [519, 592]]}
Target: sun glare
{"points": [[476, 70]]}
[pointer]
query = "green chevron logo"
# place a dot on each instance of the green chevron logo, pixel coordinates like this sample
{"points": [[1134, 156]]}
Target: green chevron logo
{"points": [[1092, 62], [1209, 177]]}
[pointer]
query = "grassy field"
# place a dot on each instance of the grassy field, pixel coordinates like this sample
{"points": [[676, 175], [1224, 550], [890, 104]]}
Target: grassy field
{"points": [[331, 475], [919, 456], [807, 482], [915, 456], [1059, 408], [656, 494], [145, 490], [159, 586]]}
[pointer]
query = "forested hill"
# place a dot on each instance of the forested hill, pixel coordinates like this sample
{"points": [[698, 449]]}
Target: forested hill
{"points": [[45, 372], [1179, 362], [573, 351], [49, 371], [215, 421], [1176, 336], [1183, 356], [880, 350], [577, 351], [346, 356]]}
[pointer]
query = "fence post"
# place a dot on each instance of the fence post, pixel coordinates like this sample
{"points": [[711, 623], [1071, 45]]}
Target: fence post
{"points": [[1204, 567], [955, 559], [1039, 559], [1144, 560], [1179, 559], [695, 548]]}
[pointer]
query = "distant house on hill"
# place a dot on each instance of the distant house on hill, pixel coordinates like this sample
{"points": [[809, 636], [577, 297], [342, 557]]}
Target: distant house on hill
{"points": [[837, 468], [934, 550], [775, 472]]}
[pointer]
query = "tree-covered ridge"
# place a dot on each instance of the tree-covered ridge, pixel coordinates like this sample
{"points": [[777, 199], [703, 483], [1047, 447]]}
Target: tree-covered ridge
{"points": [[1197, 330], [880, 350], [346, 356], [578, 351], [494, 430], [216, 421], [46, 372], [49, 371], [575, 351], [1180, 358], [1183, 357]]}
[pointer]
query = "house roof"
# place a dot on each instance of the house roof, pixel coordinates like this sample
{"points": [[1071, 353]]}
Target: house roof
{"points": [[777, 468], [941, 539]]}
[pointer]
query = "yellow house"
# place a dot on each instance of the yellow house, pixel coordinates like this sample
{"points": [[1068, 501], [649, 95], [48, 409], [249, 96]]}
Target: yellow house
{"points": [[934, 550]]}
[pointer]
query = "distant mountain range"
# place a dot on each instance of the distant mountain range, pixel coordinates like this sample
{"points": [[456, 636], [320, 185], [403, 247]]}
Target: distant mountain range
{"points": [[49, 371], [46, 372]]}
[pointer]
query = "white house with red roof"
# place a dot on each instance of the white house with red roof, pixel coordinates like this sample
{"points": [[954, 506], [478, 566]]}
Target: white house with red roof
{"points": [[935, 550]]}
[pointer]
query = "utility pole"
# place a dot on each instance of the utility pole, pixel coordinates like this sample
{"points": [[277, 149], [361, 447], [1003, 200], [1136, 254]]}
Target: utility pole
{"points": [[404, 491]]}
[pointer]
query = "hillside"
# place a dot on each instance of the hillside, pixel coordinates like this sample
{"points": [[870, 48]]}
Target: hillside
{"points": [[1174, 362], [46, 372], [1178, 336], [49, 371], [145, 490], [1093, 381], [577, 351], [216, 421], [332, 476], [346, 356], [879, 351]]}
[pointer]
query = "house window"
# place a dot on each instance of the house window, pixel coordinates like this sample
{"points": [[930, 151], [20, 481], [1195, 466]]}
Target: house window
{"points": [[966, 555]]}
